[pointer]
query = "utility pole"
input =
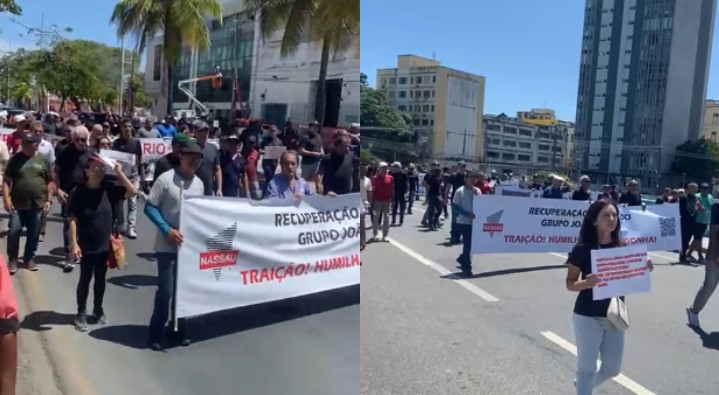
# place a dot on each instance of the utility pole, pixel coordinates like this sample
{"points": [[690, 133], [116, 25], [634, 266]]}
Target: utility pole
{"points": [[122, 77], [235, 83]]}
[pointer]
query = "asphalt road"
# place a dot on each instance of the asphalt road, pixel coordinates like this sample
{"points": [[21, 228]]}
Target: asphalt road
{"points": [[307, 345], [508, 330]]}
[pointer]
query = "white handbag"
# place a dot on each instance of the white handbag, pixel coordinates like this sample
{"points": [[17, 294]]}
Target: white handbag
{"points": [[618, 315]]}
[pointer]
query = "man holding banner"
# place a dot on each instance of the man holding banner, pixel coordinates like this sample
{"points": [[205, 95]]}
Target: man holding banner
{"points": [[163, 209]]}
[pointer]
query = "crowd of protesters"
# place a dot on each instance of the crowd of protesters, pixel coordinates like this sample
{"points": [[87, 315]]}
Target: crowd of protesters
{"points": [[52, 159]]}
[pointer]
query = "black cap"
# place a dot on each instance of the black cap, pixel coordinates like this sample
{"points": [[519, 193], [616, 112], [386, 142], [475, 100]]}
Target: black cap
{"points": [[30, 138], [191, 148]]}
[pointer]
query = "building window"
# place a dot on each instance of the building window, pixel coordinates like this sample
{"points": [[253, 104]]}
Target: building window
{"points": [[434, 79], [425, 122], [525, 132], [431, 122], [506, 156], [432, 107], [418, 79], [524, 158], [510, 143], [543, 147], [510, 130], [426, 93], [494, 126], [403, 80], [392, 80], [417, 108], [432, 93], [383, 81], [415, 122], [543, 159], [411, 80], [402, 108], [402, 94], [425, 108], [715, 119], [543, 135], [493, 155], [525, 145], [157, 65]]}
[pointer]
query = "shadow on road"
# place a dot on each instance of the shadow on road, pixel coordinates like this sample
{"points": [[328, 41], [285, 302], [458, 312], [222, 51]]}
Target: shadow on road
{"points": [[57, 251], [50, 260], [238, 320], [133, 281], [41, 321], [148, 256], [460, 276], [709, 340]]}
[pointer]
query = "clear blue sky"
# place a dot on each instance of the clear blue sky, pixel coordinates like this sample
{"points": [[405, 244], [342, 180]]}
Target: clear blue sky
{"points": [[528, 50], [89, 19]]}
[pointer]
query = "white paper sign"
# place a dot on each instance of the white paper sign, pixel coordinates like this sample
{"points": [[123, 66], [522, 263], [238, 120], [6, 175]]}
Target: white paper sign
{"points": [[274, 152], [621, 271]]}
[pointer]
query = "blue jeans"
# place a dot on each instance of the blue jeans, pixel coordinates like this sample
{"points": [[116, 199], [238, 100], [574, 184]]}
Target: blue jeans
{"points": [[465, 231], [19, 219], [454, 230], [410, 200], [166, 271], [596, 337]]}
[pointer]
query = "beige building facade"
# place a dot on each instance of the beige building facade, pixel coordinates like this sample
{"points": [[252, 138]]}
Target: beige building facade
{"points": [[446, 101], [711, 120]]}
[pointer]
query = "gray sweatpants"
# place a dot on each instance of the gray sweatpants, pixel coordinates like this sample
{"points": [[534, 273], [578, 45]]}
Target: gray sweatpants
{"points": [[381, 212], [596, 337], [711, 279]]}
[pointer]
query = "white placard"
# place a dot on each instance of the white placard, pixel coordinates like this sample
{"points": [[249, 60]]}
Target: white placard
{"points": [[293, 248], [621, 271], [274, 151], [509, 224]]}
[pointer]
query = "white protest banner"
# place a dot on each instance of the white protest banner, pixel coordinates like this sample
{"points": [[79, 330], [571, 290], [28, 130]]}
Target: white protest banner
{"points": [[502, 190], [274, 152], [508, 224], [125, 159], [291, 248], [621, 271]]}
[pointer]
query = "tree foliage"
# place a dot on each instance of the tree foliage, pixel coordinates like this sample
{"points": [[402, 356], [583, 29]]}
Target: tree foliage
{"points": [[376, 111], [697, 159], [10, 6], [78, 70], [334, 23], [180, 22]]}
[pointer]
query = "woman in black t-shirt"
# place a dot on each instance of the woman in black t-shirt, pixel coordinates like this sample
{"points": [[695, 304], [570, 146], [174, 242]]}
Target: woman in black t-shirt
{"points": [[595, 335], [91, 210]]}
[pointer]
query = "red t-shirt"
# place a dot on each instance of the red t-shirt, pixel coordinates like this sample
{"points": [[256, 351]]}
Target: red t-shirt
{"points": [[483, 187], [382, 187], [251, 158], [14, 141]]}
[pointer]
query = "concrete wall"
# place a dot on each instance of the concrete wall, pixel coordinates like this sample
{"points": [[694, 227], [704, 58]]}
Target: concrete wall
{"points": [[289, 81]]}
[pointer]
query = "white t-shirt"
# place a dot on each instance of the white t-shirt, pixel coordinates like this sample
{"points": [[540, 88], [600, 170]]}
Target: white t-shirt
{"points": [[46, 149], [365, 186]]}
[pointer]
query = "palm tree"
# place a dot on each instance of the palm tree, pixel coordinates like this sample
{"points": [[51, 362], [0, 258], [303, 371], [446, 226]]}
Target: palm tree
{"points": [[181, 22], [334, 22]]}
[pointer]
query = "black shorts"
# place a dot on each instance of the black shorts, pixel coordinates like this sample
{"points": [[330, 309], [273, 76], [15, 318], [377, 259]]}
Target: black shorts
{"points": [[699, 231]]}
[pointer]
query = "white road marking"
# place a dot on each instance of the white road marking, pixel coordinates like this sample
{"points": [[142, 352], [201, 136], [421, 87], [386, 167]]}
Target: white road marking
{"points": [[563, 256], [662, 256], [443, 271], [622, 380]]}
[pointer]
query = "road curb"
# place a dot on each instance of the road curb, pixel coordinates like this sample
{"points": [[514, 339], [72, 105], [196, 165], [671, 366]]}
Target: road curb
{"points": [[61, 361]]}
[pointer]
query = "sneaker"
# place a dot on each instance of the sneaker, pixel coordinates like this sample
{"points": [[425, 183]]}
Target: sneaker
{"points": [[81, 322], [156, 346], [41, 238], [69, 265], [12, 267], [99, 315], [131, 232], [30, 265], [693, 318]]}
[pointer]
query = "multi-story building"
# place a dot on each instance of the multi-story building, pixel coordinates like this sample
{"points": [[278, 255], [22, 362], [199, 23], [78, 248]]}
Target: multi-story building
{"points": [[711, 120], [538, 116], [642, 84], [522, 148], [268, 86], [447, 101]]}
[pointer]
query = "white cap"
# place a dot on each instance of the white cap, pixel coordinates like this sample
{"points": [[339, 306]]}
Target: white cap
{"points": [[558, 178], [382, 164], [397, 164], [355, 125], [19, 118]]}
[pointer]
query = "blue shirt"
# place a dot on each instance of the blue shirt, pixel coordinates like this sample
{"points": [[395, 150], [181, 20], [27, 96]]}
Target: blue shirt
{"points": [[166, 130], [233, 169], [279, 187]]}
